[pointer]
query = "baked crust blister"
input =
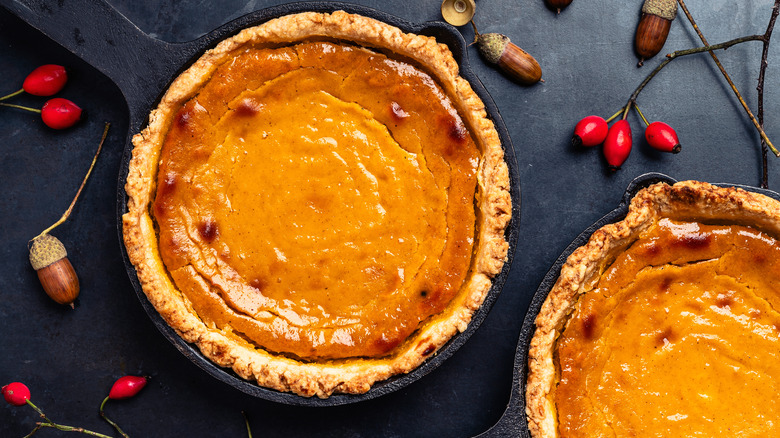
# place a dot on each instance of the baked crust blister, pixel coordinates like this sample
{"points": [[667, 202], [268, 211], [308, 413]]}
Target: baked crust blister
{"points": [[279, 372], [687, 200]]}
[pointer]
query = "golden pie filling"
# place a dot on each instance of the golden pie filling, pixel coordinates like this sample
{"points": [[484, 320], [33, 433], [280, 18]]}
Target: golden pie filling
{"points": [[318, 203], [680, 337], [665, 324], [373, 172]]}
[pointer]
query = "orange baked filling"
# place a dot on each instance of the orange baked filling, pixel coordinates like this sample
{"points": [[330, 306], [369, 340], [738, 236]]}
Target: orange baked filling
{"points": [[317, 200], [679, 338]]}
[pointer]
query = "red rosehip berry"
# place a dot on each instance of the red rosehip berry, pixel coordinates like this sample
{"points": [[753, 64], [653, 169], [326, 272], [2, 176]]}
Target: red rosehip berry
{"points": [[590, 131], [16, 393], [46, 80], [661, 136], [617, 145], [127, 386], [59, 113]]}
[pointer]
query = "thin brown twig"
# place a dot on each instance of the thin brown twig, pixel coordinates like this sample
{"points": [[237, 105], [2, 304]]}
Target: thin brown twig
{"points": [[679, 53], [48, 423], [760, 88], [81, 187], [756, 122]]}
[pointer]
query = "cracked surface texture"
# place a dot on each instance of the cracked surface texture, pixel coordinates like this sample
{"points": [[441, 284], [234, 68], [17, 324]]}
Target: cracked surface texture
{"points": [[680, 336], [317, 200]]}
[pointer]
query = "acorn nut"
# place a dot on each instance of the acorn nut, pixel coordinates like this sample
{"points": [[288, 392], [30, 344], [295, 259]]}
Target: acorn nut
{"points": [[557, 5], [516, 62], [50, 260], [653, 27]]}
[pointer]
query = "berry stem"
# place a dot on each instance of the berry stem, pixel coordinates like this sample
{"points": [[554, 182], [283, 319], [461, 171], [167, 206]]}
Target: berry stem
{"points": [[15, 93], [109, 421], [83, 182], [248, 429], [613, 116], [48, 423], [65, 428], [37, 409], [625, 110], [638, 111], [26, 108], [32, 432]]}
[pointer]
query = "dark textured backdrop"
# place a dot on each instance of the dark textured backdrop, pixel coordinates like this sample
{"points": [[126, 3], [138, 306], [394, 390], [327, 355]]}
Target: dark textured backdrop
{"points": [[70, 358]]}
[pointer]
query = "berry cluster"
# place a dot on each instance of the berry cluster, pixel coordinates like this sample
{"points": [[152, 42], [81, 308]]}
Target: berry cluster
{"points": [[616, 139], [48, 80], [18, 394]]}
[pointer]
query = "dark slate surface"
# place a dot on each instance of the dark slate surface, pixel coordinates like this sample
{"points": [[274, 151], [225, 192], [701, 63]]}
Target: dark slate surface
{"points": [[70, 358]]}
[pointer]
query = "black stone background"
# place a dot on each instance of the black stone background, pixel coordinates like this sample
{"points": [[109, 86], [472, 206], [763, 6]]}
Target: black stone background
{"points": [[70, 358]]}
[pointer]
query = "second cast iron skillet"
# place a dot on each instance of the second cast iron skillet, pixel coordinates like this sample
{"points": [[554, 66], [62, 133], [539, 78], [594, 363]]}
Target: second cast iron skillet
{"points": [[143, 67], [513, 423]]}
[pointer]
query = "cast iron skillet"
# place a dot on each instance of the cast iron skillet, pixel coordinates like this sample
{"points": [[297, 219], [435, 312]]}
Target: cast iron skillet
{"points": [[513, 423], [143, 68]]}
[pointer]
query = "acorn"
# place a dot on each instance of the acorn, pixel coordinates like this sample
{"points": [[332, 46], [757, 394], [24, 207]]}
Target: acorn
{"points": [[50, 260], [653, 27], [517, 63], [557, 5], [48, 255]]}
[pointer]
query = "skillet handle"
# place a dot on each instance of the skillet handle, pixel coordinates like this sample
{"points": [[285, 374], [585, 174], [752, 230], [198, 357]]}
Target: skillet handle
{"points": [[141, 66]]}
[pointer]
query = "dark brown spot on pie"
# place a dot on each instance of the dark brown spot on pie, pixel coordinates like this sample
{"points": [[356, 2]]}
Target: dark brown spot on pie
{"points": [[208, 230], [589, 326], [724, 300], [259, 283], [759, 258], [667, 335], [652, 249], [397, 112], [665, 283], [694, 240], [168, 185], [183, 118], [455, 129], [248, 107], [433, 295], [171, 243], [695, 307], [429, 350], [385, 344], [160, 207], [423, 293]]}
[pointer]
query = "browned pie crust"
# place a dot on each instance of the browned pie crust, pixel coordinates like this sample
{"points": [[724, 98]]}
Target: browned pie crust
{"points": [[686, 201], [320, 378]]}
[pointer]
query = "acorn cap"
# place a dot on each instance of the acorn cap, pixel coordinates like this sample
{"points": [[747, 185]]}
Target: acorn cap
{"points": [[45, 250], [492, 46], [458, 12], [663, 8]]}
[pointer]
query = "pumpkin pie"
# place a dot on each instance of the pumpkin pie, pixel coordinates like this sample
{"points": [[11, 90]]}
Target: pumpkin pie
{"points": [[665, 323], [318, 203]]}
